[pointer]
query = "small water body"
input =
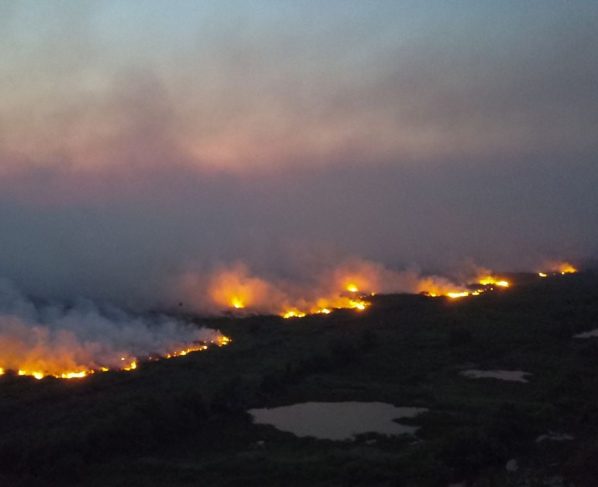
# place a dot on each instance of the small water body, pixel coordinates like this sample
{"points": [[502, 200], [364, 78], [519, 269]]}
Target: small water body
{"points": [[552, 436], [587, 334], [337, 420], [508, 375]]}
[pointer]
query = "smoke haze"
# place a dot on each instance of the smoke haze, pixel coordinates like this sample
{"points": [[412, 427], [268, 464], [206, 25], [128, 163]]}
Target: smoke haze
{"points": [[144, 150]]}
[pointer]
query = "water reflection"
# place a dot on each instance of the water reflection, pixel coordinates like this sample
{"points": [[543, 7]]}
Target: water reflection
{"points": [[337, 420], [508, 375], [587, 334]]}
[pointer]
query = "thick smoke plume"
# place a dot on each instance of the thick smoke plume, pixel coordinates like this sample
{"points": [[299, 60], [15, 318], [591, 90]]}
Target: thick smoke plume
{"points": [[51, 339]]}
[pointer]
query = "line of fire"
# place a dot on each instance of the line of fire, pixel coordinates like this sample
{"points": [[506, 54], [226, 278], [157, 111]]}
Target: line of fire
{"points": [[351, 296]]}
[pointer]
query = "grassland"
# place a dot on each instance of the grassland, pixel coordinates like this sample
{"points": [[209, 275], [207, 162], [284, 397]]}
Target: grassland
{"points": [[182, 422]]}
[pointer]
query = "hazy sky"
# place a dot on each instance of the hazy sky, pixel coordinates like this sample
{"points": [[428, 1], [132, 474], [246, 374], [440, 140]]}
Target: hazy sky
{"points": [[140, 138]]}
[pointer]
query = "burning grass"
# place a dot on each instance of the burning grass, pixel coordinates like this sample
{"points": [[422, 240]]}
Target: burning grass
{"points": [[236, 290], [76, 340], [559, 267], [54, 365], [76, 343], [407, 350]]}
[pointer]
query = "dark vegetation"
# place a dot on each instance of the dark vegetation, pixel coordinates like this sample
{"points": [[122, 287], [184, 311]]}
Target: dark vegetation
{"points": [[182, 422]]}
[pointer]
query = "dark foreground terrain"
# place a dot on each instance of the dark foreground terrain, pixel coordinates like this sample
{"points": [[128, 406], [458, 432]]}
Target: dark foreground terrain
{"points": [[182, 422]]}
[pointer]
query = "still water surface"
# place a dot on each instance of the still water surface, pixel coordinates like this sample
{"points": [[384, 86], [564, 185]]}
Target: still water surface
{"points": [[337, 420], [508, 375]]}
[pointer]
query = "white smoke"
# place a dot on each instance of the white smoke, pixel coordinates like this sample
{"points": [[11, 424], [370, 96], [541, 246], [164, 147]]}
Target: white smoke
{"points": [[54, 338]]}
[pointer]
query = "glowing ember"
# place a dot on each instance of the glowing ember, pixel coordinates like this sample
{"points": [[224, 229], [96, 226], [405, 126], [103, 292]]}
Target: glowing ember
{"points": [[456, 295], [435, 286], [558, 268], [566, 268], [451, 294], [293, 313], [358, 305], [493, 281], [439, 287], [131, 366], [73, 375], [326, 306]]}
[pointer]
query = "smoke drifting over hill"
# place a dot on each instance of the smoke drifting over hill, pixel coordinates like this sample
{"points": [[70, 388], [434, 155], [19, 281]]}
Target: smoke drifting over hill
{"points": [[291, 138]]}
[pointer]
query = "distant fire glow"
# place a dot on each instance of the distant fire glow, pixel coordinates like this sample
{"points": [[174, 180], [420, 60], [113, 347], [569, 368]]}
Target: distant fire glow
{"points": [[487, 281], [455, 295], [293, 313], [326, 306], [343, 289], [561, 268], [352, 288], [567, 269], [237, 290], [493, 281]]}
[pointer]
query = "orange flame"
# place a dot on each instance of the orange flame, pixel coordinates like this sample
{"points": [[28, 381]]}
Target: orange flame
{"points": [[326, 306], [235, 289], [352, 288], [48, 368], [434, 287], [459, 294], [347, 286], [558, 267], [490, 280], [566, 268]]}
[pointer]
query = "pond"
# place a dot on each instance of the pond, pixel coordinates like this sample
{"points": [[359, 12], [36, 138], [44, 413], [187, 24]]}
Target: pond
{"points": [[337, 420], [508, 375], [587, 334]]}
